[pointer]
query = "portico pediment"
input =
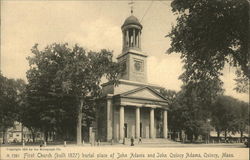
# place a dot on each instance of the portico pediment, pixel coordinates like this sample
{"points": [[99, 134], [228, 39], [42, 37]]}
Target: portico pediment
{"points": [[144, 93]]}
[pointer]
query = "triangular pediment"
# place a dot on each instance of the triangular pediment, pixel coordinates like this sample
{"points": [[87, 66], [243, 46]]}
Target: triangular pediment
{"points": [[145, 93]]}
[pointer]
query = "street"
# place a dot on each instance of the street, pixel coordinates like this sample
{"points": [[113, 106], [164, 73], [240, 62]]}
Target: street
{"points": [[154, 145]]}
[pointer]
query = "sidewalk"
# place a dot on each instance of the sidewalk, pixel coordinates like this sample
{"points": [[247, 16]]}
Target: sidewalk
{"points": [[153, 145]]}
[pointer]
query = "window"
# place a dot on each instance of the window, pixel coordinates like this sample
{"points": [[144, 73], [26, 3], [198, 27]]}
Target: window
{"points": [[140, 129]]}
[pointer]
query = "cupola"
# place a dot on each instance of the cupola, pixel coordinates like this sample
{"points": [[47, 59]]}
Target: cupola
{"points": [[131, 31]]}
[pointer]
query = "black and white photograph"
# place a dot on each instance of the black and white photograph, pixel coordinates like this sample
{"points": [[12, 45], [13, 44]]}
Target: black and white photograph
{"points": [[125, 79]]}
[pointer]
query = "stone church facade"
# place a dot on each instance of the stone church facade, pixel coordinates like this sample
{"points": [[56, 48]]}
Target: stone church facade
{"points": [[133, 108]]}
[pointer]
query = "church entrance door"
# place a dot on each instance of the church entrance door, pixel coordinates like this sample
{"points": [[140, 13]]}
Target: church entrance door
{"points": [[140, 129], [125, 130]]}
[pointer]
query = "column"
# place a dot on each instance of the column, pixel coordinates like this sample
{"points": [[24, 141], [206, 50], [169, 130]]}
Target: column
{"points": [[109, 119], [133, 38], [127, 39], [137, 122], [165, 124], [137, 39], [152, 123], [139, 35], [124, 39], [121, 122]]}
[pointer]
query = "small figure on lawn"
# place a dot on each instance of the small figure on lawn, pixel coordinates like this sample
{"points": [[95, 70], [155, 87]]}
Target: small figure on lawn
{"points": [[140, 141], [132, 141]]}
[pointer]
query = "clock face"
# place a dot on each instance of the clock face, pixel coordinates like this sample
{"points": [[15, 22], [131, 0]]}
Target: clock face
{"points": [[138, 65]]}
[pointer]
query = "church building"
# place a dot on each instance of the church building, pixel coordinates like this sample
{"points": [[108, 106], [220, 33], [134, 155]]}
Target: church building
{"points": [[133, 108]]}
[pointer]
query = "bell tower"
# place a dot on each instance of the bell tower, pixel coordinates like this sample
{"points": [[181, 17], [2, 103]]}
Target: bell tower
{"points": [[132, 58]]}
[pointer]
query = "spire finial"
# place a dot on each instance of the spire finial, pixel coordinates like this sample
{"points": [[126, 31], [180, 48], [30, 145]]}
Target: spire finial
{"points": [[131, 6]]}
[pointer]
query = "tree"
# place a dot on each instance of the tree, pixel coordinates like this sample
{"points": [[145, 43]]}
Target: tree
{"points": [[187, 112], [20, 86], [170, 95], [241, 121], [242, 82], [193, 102], [222, 115], [42, 97], [229, 115], [62, 80], [193, 112], [10, 90], [210, 33]]}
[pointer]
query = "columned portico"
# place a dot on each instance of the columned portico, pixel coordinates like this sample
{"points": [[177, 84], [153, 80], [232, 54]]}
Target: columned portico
{"points": [[152, 123], [121, 122], [137, 122], [165, 124]]}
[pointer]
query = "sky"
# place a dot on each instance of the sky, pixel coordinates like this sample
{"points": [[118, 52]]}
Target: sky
{"points": [[93, 25]]}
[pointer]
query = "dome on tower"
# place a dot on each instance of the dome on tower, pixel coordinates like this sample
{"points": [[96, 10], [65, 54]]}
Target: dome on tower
{"points": [[131, 20]]}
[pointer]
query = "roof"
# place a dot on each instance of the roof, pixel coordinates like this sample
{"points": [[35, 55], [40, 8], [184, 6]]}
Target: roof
{"points": [[131, 20], [144, 96], [144, 88]]}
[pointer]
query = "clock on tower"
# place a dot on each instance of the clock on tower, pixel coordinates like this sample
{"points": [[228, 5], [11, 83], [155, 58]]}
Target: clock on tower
{"points": [[138, 66]]}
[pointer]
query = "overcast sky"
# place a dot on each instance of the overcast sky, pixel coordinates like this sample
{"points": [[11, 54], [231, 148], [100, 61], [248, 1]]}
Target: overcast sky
{"points": [[93, 25]]}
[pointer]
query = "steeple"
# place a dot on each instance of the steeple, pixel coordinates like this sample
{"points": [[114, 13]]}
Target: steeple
{"points": [[132, 57]]}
